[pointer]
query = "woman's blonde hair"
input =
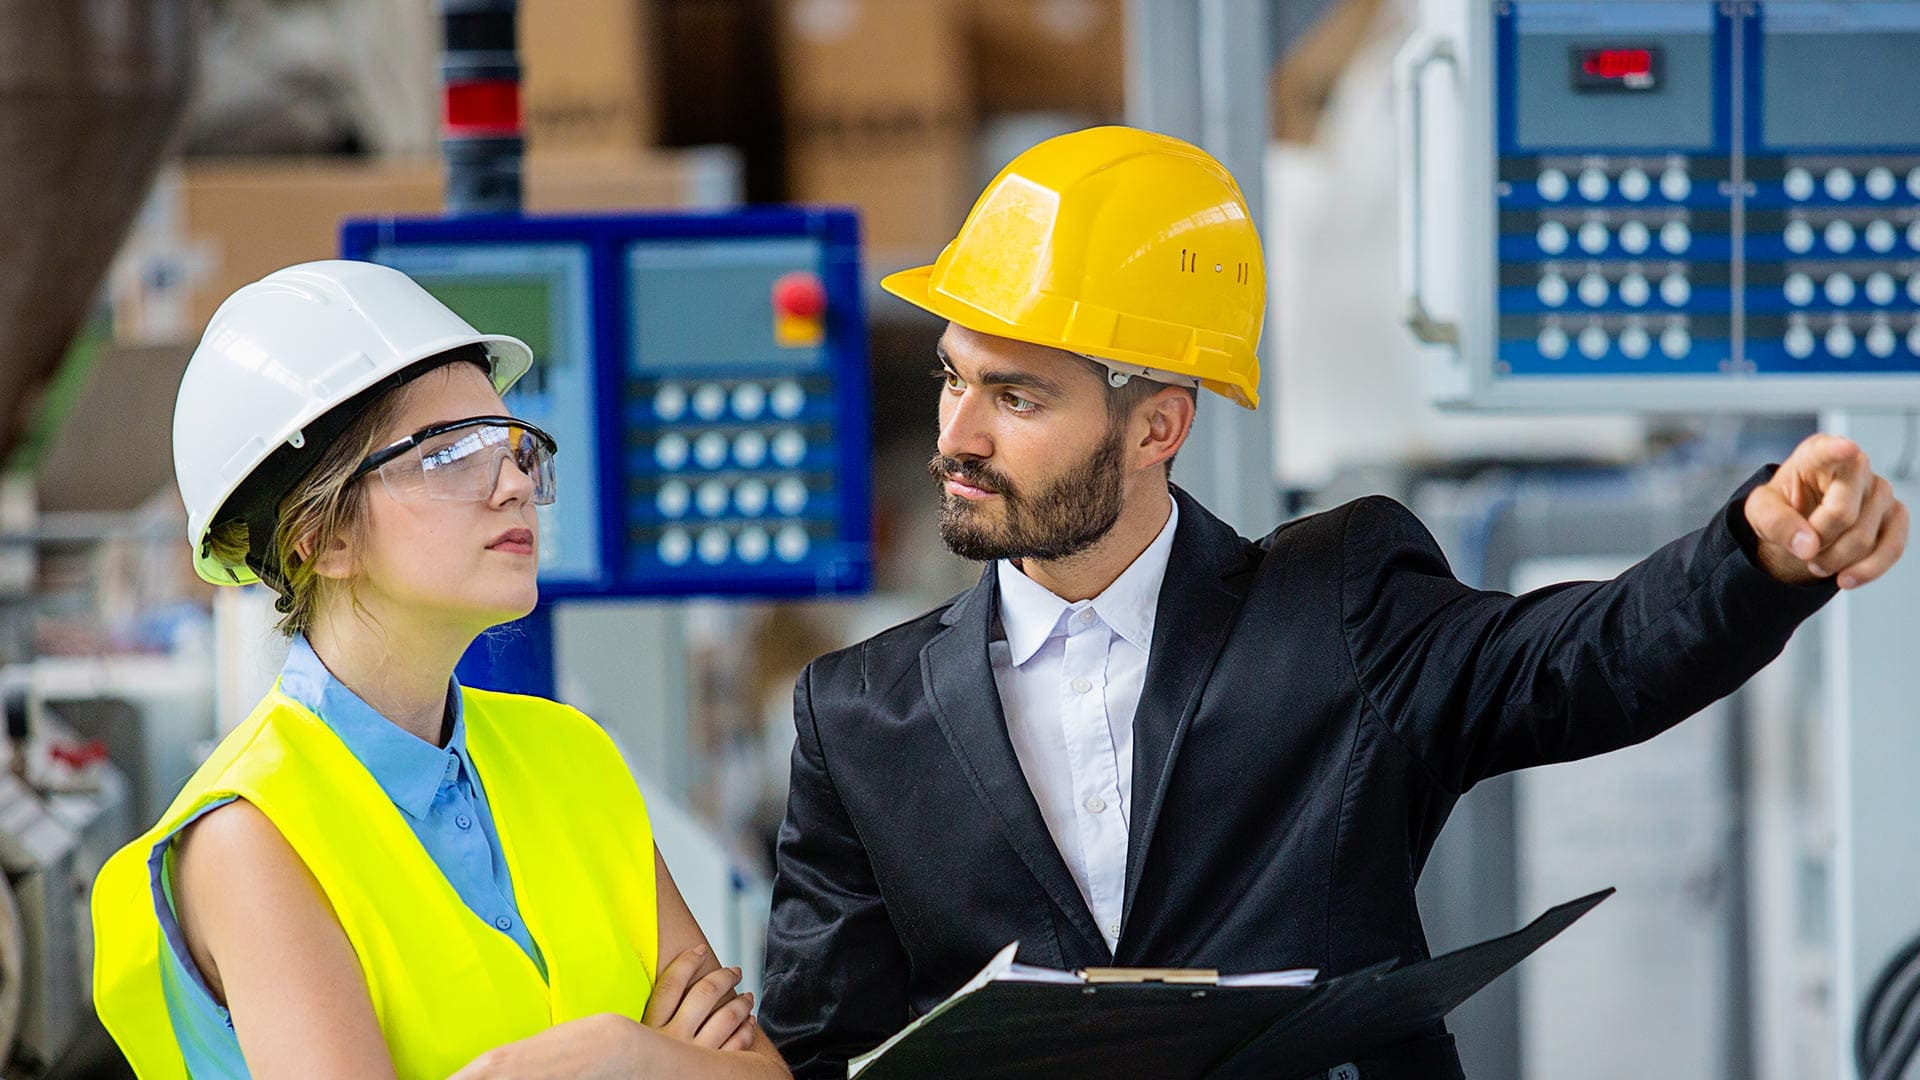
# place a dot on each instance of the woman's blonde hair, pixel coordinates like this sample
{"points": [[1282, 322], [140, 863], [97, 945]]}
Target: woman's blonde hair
{"points": [[324, 507]]}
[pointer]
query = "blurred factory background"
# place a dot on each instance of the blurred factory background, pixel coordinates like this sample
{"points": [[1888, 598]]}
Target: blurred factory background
{"points": [[157, 154]]}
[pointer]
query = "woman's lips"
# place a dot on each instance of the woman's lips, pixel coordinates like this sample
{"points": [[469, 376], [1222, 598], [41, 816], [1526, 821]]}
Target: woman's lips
{"points": [[513, 541]]}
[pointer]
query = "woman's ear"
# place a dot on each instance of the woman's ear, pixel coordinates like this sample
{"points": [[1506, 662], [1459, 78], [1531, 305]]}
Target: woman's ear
{"points": [[335, 561]]}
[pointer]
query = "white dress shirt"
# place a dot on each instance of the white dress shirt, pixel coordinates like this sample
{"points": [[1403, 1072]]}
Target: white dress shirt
{"points": [[1069, 677]]}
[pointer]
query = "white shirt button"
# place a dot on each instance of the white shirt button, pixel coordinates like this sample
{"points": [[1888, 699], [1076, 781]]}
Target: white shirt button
{"points": [[1085, 616], [1095, 804], [1081, 686]]}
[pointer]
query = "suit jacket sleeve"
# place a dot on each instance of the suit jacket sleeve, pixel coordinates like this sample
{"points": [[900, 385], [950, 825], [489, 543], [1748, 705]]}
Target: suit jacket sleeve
{"points": [[836, 981], [1477, 683]]}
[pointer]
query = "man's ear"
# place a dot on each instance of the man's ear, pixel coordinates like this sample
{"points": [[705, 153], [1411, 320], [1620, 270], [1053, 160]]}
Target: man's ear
{"points": [[1169, 419]]}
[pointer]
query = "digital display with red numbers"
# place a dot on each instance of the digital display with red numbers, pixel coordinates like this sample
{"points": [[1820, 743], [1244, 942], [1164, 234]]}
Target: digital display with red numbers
{"points": [[1629, 69]]}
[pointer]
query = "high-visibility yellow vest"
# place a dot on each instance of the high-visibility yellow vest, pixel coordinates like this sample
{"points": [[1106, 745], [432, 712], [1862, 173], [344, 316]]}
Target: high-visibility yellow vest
{"points": [[446, 986]]}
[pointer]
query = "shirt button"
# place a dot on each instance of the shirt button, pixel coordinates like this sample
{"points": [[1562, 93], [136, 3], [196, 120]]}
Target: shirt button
{"points": [[463, 821], [503, 922], [1085, 616], [1081, 686], [1113, 929], [1094, 804]]}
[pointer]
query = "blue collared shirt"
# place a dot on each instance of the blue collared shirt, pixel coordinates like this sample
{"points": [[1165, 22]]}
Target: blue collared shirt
{"points": [[440, 796]]}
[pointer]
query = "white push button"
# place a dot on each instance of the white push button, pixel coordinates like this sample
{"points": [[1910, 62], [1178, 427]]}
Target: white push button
{"points": [[1839, 236], [1635, 290], [709, 402], [1675, 342], [1881, 183], [1594, 343], [1634, 237], [714, 546], [710, 450], [1913, 288], [1634, 342], [1798, 237], [752, 545], [1913, 234], [1798, 184], [1881, 289], [1551, 236], [1675, 236], [671, 451], [788, 399], [1839, 184], [713, 498], [676, 547], [1840, 340], [750, 449], [1593, 238], [1881, 341], [1675, 184], [791, 544], [670, 401], [790, 496], [1552, 343], [1593, 290], [1798, 341], [1552, 185], [672, 499], [1839, 289], [749, 400], [1593, 185], [751, 497], [1634, 184], [1913, 339], [1675, 289], [1552, 290], [1798, 289], [1881, 236], [789, 448], [1913, 182]]}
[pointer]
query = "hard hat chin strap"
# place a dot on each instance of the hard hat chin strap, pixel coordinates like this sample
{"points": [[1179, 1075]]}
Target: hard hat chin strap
{"points": [[1119, 374]]}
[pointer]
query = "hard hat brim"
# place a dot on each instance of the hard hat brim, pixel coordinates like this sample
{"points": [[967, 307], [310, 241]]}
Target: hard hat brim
{"points": [[915, 286]]}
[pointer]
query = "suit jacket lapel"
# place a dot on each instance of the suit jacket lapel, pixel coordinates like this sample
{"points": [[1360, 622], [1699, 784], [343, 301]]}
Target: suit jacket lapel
{"points": [[1207, 578], [958, 680]]}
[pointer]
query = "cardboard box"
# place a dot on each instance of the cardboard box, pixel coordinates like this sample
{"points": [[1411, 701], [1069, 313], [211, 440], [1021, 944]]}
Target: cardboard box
{"points": [[1050, 56], [588, 74], [878, 102], [210, 227]]}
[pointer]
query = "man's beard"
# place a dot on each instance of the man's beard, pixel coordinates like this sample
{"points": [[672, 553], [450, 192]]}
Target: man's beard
{"points": [[1064, 519]]}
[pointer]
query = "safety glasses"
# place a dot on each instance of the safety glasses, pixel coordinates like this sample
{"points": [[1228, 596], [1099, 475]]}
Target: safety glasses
{"points": [[459, 461]]}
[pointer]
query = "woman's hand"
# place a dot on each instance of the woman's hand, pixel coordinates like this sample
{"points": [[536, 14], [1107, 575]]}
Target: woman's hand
{"points": [[603, 1047], [701, 1009]]}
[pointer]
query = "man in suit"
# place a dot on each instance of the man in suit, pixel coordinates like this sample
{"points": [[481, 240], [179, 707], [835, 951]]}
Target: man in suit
{"points": [[1144, 740]]}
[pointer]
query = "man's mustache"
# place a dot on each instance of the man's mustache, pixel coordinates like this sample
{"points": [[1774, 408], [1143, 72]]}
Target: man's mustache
{"points": [[974, 473]]}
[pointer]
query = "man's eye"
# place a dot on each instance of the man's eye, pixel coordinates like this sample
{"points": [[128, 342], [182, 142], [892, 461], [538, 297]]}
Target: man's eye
{"points": [[952, 380], [1019, 404]]}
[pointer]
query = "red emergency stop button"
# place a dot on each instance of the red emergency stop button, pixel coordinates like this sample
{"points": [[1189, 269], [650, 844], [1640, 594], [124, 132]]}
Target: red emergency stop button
{"points": [[799, 309]]}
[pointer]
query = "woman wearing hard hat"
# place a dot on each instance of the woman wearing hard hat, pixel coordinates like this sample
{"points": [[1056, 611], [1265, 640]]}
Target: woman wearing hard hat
{"points": [[381, 872]]}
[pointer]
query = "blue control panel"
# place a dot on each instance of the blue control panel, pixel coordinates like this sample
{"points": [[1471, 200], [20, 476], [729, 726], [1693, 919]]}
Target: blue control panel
{"points": [[704, 374], [1691, 189]]}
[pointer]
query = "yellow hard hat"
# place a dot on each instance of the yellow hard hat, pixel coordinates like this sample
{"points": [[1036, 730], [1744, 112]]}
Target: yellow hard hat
{"points": [[1127, 247]]}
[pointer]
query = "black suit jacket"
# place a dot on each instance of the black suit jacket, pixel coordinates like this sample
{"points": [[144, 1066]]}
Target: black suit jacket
{"points": [[1314, 704]]}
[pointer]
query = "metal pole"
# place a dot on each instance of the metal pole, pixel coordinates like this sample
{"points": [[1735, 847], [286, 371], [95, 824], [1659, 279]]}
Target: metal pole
{"points": [[1197, 70]]}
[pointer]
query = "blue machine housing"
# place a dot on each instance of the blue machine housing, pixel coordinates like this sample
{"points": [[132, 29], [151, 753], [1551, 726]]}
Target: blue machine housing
{"points": [[715, 460]]}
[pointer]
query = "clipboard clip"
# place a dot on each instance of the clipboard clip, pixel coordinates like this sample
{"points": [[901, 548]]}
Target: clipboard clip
{"points": [[1102, 976]]}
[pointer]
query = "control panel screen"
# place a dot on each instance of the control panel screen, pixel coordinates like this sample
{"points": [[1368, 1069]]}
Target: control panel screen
{"points": [[1622, 76], [711, 304], [1840, 75], [538, 294]]}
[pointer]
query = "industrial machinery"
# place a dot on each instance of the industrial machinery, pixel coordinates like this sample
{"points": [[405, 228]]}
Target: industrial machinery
{"points": [[1683, 206], [1669, 204]]}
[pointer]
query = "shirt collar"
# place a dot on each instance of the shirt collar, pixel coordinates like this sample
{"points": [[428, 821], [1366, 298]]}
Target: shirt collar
{"points": [[1030, 614], [409, 769]]}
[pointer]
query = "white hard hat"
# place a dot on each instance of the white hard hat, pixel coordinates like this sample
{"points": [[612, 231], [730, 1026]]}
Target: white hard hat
{"points": [[263, 395]]}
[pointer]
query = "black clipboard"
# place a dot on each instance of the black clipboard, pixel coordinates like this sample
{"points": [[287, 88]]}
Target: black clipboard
{"points": [[1015, 1030]]}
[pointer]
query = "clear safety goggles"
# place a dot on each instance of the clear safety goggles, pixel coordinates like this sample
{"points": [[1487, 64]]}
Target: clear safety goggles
{"points": [[459, 461]]}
